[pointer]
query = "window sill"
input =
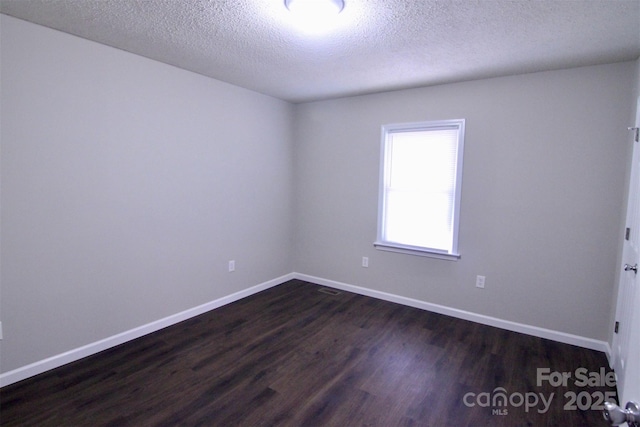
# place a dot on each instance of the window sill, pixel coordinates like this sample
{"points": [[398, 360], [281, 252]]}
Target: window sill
{"points": [[413, 250]]}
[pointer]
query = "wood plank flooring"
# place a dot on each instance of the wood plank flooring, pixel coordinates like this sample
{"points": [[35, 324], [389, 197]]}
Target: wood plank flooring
{"points": [[294, 356]]}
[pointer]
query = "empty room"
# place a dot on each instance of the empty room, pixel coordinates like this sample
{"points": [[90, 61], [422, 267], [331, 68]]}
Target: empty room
{"points": [[319, 212]]}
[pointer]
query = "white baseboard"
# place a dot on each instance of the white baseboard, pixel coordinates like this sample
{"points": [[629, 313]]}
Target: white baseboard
{"points": [[98, 346], [535, 331], [609, 354]]}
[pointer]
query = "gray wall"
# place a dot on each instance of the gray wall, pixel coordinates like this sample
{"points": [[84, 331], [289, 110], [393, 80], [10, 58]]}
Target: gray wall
{"points": [[127, 185], [542, 192]]}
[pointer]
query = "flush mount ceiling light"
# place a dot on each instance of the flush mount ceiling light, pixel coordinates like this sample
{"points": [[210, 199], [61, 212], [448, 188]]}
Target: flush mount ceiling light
{"points": [[314, 15]]}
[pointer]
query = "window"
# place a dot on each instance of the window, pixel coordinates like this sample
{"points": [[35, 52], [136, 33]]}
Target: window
{"points": [[420, 180]]}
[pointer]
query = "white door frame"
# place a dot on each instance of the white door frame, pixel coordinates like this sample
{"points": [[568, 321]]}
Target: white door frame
{"points": [[626, 342]]}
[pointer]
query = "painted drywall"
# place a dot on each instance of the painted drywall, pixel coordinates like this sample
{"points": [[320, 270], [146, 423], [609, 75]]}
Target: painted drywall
{"points": [[544, 169], [127, 185]]}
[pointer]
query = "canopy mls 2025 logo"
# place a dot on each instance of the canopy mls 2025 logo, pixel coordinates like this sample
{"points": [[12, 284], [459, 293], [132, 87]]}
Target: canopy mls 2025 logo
{"points": [[499, 399]]}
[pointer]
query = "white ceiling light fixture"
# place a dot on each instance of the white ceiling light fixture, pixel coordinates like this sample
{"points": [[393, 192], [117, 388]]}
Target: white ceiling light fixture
{"points": [[315, 16]]}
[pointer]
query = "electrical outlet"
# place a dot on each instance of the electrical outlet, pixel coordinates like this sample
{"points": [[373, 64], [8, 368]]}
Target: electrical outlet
{"points": [[480, 282], [232, 266], [365, 261]]}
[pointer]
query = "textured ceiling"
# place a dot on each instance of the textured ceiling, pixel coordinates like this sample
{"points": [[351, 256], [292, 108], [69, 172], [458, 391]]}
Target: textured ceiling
{"points": [[376, 45]]}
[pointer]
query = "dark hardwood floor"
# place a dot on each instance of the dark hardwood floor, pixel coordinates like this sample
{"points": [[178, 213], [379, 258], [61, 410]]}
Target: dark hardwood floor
{"points": [[295, 356]]}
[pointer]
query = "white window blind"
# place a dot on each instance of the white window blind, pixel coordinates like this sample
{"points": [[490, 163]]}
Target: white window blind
{"points": [[421, 171]]}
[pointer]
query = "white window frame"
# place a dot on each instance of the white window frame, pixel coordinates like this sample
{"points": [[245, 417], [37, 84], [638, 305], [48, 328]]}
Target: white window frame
{"points": [[388, 130]]}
